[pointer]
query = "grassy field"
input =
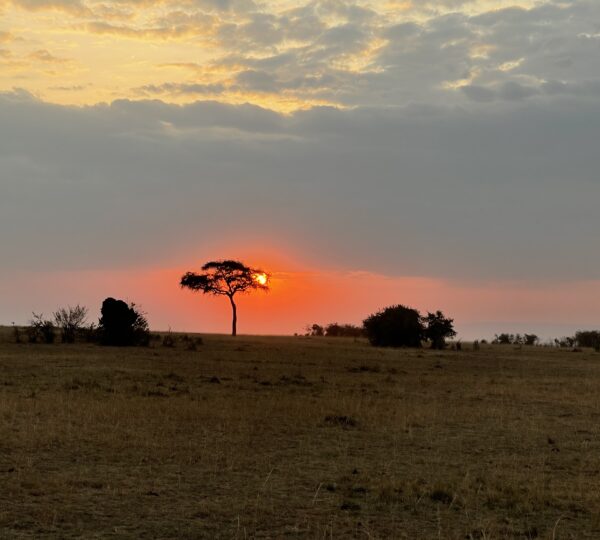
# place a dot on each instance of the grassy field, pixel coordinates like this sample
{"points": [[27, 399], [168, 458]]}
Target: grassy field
{"points": [[298, 437]]}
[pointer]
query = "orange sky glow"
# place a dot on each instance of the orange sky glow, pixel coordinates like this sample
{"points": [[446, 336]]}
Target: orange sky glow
{"points": [[300, 295]]}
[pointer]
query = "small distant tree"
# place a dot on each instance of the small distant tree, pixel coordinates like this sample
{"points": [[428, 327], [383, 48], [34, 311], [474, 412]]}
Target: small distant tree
{"points": [[334, 330], [344, 330], [70, 320], [530, 340], [226, 278], [122, 324], [503, 339], [565, 342], [395, 326], [438, 328], [588, 338], [315, 330]]}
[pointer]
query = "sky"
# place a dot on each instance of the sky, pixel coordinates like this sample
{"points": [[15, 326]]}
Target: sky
{"points": [[366, 153]]}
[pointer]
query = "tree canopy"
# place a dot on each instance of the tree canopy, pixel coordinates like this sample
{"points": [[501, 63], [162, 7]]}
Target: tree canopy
{"points": [[395, 326], [438, 328], [401, 326], [122, 324], [226, 278]]}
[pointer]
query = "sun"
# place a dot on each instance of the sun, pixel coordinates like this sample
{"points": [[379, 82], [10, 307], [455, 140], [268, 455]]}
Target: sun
{"points": [[261, 279]]}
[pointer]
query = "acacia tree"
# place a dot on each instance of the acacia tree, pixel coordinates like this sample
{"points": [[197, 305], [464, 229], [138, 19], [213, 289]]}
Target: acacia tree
{"points": [[226, 278]]}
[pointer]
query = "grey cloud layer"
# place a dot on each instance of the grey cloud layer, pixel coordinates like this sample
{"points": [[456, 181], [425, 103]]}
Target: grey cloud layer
{"points": [[346, 54], [503, 192], [464, 146], [509, 54]]}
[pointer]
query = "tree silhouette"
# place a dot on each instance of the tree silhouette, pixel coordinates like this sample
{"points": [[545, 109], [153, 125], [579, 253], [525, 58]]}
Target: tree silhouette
{"points": [[122, 325], [395, 326], [226, 278], [438, 329]]}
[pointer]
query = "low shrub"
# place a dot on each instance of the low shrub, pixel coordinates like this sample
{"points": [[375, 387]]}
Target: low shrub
{"points": [[70, 320], [168, 340], [40, 330]]}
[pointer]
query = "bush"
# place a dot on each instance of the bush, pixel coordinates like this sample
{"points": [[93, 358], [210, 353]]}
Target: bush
{"points": [[90, 333], [531, 340], [122, 325], [395, 326], [344, 330], [70, 321], [40, 330], [516, 339], [168, 340], [588, 338], [566, 342], [191, 344], [503, 339], [315, 330]]}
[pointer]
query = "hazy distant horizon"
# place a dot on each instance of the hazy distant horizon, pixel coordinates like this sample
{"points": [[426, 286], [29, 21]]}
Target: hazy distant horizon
{"points": [[300, 298]]}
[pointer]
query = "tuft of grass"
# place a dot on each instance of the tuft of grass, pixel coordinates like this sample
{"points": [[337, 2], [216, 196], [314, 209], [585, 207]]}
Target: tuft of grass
{"points": [[341, 421]]}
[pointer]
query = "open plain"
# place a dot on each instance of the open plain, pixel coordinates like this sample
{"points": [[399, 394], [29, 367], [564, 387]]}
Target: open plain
{"points": [[298, 438]]}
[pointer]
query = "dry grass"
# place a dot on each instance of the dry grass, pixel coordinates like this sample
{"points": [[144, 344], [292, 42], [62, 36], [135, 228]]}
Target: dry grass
{"points": [[296, 437]]}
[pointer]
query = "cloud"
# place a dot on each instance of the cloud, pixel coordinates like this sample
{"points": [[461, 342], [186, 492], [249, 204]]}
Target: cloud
{"points": [[507, 193], [225, 5], [73, 7], [42, 55], [344, 53], [154, 33], [478, 93], [257, 80], [180, 88]]}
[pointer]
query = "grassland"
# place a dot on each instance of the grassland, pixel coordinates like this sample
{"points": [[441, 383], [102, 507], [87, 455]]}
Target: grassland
{"points": [[298, 438]]}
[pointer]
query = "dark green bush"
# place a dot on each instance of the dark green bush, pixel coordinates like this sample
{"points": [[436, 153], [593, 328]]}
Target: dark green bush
{"points": [[395, 326], [122, 325]]}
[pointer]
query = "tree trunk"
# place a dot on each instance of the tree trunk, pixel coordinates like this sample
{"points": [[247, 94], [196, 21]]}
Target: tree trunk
{"points": [[234, 317]]}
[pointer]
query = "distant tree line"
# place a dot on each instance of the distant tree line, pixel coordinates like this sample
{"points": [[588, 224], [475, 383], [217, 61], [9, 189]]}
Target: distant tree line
{"points": [[394, 326], [335, 330], [516, 339], [582, 338], [588, 338], [120, 324]]}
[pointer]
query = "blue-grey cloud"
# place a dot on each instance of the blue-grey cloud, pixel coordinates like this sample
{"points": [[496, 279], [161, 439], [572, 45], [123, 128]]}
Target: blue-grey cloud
{"points": [[508, 192]]}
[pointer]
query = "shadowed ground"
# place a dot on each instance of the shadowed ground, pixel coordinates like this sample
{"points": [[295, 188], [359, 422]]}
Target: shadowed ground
{"points": [[298, 437]]}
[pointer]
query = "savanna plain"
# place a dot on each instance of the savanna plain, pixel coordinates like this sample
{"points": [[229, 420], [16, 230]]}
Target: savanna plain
{"points": [[256, 437]]}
